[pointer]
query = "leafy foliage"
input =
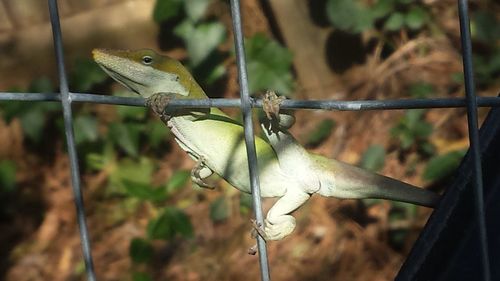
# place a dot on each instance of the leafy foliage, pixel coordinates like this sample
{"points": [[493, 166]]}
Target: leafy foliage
{"points": [[170, 223], [166, 9], [413, 130], [485, 29], [140, 250], [7, 176], [268, 65], [85, 74], [219, 209], [205, 60], [145, 191], [33, 115], [349, 15], [373, 159], [442, 165], [354, 17], [85, 129], [320, 133], [212, 34], [421, 90], [141, 276]]}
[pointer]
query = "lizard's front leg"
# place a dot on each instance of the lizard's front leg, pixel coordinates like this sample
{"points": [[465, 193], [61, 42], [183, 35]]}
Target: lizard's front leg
{"points": [[158, 104], [200, 172]]}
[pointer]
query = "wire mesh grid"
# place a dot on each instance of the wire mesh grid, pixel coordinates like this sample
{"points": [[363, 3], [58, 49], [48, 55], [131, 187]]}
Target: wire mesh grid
{"points": [[246, 103]]}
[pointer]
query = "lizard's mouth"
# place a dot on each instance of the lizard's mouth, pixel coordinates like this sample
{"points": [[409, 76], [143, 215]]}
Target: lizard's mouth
{"points": [[128, 82]]}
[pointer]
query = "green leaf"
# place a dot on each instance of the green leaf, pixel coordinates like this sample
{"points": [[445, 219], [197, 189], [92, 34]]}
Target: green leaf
{"points": [[195, 9], [349, 16], [85, 75], [412, 128], [320, 133], [382, 8], [494, 64], [170, 223], [269, 65], [126, 136], [211, 69], [33, 123], [421, 90], [485, 26], [219, 209], [178, 180], [245, 202], [413, 117], [131, 112], [394, 22], [96, 161], [144, 191], [407, 139], [166, 9], [157, 133], [41, 85], [85, 129], [416, 17], [134, 171], [141, 276], [457, 77], [373, 159], [442, 165], [427, 148], [7, 176], [140, 250], [422, 130], [201, 40]]}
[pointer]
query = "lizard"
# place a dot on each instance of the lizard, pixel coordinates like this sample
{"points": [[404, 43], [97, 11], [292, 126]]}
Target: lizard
{"points": [[215, 141]]}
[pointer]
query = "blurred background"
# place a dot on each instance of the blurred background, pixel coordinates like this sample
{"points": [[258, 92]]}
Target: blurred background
{"points": [[147, 221]]}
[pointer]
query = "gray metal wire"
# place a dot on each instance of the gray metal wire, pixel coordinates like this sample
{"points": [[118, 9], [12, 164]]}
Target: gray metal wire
{"points": [[474, 134], [352, 105], [471, 102], [249, 136], [70, 140]]}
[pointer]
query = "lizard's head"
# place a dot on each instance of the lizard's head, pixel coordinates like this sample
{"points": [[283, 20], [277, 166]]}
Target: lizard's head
{"points": [[146, 72]]}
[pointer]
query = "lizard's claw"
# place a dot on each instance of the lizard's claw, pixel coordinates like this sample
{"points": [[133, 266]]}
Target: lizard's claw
{"points": [[252, 250], [271, 104], [257, 229], [158, 103], [196, 176]]}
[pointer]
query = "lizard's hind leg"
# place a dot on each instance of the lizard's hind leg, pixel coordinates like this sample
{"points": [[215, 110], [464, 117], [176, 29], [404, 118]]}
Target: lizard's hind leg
{"points": [[279, 223]]}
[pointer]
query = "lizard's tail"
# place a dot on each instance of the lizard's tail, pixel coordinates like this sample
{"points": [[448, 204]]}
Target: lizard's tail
{"points": [[350, 182]]}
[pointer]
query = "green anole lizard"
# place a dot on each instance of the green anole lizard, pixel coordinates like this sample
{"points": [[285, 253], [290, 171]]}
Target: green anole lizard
{"points": [[216, 142]]}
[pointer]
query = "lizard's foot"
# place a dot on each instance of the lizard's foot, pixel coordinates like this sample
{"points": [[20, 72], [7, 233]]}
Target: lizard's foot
{"points": [[271, 104], [201, 171], [258, 229], [252, 250], [158, 103], [278, 231]]}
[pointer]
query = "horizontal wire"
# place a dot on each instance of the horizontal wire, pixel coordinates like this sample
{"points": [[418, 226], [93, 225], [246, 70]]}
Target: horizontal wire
{"points": [[357, 105]]}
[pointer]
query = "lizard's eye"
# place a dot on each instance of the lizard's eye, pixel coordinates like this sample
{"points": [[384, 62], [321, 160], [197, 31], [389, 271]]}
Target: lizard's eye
{"points": [[147, 60]]}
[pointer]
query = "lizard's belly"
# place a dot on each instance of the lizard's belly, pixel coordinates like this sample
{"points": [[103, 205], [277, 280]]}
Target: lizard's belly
{"points": [[222, 144]]}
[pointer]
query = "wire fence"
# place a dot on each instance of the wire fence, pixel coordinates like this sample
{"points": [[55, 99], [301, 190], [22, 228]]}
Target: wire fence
{"points": [[246, 103]]}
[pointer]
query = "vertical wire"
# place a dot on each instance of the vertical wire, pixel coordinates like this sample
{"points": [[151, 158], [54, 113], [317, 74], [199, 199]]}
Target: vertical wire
{"points": [[474, 134], [70, 140], [249, 136]]}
